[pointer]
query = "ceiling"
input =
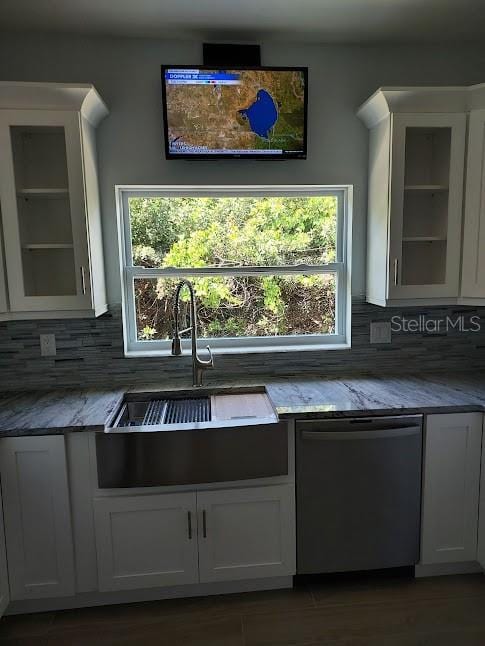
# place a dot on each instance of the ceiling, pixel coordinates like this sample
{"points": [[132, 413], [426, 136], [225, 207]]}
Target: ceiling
{"points": [[333, 21]]}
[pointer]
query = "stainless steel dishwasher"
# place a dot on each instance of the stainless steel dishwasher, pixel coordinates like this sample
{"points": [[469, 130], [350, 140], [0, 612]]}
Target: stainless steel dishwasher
{"points": [[358, 493]]}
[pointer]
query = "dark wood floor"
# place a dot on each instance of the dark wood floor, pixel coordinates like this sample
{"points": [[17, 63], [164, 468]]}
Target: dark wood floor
{"points": [[444, 611]]}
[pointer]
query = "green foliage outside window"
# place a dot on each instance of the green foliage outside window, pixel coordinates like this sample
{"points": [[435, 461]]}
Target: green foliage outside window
{"points": [[236, 232]]}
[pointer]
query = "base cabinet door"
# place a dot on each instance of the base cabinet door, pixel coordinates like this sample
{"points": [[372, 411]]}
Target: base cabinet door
{"points": [[37, 517], [146, 541], [4, 586], [451, 488], [246, 533]]}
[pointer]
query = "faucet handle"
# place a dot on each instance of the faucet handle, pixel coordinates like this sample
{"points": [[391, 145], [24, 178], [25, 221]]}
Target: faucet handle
{"points": [[210, 361], [199, 365]]}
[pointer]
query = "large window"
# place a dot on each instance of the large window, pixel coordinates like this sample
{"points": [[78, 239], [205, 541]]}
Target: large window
{"points": [[269, 265]]}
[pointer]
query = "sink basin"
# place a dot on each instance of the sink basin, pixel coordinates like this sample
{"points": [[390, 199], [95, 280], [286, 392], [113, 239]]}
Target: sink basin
{"points": [[164, 411], [185, 410]]}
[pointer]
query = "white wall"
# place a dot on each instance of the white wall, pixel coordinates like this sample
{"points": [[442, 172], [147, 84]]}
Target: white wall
{"points": [[126, 72]]}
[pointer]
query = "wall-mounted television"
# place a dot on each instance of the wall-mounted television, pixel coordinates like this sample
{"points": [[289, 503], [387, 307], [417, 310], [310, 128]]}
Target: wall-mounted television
{"points": [[256, 113]]}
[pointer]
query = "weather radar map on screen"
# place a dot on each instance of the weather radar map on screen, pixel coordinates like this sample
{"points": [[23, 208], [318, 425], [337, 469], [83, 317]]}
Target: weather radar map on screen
{"points": [[235, 112]]}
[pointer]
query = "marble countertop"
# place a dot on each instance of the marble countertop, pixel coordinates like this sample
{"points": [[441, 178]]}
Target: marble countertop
{"points": [[57, 411], [379, 395], [60, 411]]}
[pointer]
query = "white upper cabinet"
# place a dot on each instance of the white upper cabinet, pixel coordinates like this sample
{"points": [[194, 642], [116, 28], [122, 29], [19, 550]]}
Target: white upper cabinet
{"points": [[473, 274], [49, 201], [416, 168]]}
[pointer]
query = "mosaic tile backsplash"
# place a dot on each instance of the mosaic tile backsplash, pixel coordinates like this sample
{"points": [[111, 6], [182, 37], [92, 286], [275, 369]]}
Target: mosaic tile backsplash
{"points": [[90, 352]]}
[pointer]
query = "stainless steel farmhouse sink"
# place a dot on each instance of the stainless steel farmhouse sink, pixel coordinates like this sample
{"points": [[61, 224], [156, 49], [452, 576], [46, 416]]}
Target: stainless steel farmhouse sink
{"points": [[175, 438], [184, 410]]}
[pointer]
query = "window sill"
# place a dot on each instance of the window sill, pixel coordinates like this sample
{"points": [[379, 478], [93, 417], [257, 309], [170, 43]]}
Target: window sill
{"points": [[268, 349]]}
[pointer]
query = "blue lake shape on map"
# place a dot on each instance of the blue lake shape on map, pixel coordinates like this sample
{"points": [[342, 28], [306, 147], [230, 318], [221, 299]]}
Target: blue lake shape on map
{"points": [[262, 114]]}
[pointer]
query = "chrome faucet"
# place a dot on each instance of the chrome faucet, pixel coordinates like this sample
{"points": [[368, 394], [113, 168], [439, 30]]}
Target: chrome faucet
{"points": [[198, 365]]}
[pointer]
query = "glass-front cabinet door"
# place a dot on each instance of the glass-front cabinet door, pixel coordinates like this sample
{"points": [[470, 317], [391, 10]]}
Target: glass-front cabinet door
{"points": [[427, 161], [43, 210]]}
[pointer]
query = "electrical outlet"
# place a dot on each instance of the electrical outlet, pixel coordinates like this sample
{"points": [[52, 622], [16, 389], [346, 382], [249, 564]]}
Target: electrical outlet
{"points": [[380, 332], [48, 345]]}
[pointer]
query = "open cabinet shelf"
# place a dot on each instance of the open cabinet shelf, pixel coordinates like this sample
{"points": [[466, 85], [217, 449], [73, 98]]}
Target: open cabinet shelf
{"points": [[423, 239], [434, 188], [61, 245], [48, 193]]}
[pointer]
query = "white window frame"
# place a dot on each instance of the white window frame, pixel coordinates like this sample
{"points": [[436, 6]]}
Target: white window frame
{"points": [[341, 268]]}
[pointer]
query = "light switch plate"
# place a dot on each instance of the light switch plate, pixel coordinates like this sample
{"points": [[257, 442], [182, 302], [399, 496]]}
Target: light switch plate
{"points": [[48, 345], [380, 332]]}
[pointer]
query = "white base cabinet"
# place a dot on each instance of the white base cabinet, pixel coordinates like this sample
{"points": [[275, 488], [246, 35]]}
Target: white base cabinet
{"points": [[452, 460], [195, 537], [37, 517], [4, 586], [146, 541], [246, 533]]}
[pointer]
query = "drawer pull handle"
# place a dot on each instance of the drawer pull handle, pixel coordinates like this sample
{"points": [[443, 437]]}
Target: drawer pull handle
{"points": [[189, 523], [380, 434], [204, 524], [396, 271], [83, 281]]}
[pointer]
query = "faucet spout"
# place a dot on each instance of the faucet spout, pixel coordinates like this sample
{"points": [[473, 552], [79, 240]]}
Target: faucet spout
{"points": [[198, 364]]}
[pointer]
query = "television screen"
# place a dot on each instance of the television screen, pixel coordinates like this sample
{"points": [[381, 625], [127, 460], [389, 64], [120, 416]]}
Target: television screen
{"points": [[252, 112]]}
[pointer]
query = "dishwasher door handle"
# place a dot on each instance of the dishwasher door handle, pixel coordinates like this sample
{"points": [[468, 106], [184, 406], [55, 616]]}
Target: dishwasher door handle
{"points": [[360, 435]]}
